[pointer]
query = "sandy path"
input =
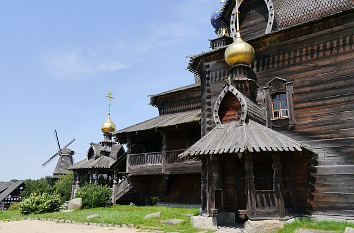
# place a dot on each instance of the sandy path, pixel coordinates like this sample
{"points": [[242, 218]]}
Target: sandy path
{"points": [[53, 227]]}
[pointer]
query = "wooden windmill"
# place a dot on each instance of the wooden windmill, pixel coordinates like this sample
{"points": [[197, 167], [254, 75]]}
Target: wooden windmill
{"points": [[65, 158]]}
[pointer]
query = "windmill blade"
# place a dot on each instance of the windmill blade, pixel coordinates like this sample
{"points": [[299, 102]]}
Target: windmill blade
{"points": [[72, 140], [50, 159], [56, 135]]}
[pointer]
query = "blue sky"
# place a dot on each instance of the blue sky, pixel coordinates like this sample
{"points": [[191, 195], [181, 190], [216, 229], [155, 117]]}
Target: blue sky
{"points": [[59, 59]]}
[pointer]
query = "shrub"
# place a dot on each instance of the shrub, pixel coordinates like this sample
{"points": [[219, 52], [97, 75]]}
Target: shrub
{"points": [[41, 203], [154, 200], [36, 186], [14, 206], [63, 186], [94, 195]]}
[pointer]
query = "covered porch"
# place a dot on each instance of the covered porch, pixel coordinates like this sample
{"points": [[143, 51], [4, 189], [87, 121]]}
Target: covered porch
{"points": [[251, 172]]}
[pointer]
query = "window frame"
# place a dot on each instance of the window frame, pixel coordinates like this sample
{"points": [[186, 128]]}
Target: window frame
{"points": [[275, 86], [280, 110]]}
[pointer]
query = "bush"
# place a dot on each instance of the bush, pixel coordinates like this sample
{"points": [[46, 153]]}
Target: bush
{"points": [[64, 185], [14, 206], [94, 195], [36, 186], [154, 200], [41, 203]]}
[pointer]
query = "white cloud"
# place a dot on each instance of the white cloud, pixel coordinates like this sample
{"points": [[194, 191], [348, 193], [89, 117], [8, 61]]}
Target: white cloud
{"points": [[128, 51], [76, 63]]}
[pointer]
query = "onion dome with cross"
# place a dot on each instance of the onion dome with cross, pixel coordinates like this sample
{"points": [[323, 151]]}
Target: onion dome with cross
{"points": [[109, 126], [239, 52]]}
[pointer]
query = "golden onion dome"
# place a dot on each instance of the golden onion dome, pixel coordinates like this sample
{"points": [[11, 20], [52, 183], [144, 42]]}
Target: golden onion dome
{"points": [[108, 126], [239, 52]]}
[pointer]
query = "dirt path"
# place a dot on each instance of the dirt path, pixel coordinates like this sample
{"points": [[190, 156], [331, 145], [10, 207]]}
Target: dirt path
{"points": [[53, 227]]}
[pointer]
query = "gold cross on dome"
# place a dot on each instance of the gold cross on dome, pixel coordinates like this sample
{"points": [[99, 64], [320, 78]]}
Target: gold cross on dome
{"points": [[110, 103]]}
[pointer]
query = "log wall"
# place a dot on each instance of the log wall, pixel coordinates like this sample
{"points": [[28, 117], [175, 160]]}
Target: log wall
{"points": [[319, 59]]}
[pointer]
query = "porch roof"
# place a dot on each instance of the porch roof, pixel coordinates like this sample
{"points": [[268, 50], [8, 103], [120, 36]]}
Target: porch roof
{"points": [[103, 162], [164, 121], [236, 137]]}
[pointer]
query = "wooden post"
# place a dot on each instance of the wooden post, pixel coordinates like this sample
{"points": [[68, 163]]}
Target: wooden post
{"points": [[115, 187], [210, 190], [73, 187], [91, 177], [129, 151], [291, 180], [164, 151], [204, 183], [237, 183], [96, 178], [215, 184], [250, 187], [277, 185]]}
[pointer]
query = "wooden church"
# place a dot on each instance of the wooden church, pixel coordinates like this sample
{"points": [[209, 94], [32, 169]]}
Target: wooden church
{"points": [[267, 129]]}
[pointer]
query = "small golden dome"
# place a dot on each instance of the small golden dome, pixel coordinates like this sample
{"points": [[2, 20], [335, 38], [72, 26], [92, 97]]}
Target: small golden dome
{"points": [[239, 52], [108, 126]]}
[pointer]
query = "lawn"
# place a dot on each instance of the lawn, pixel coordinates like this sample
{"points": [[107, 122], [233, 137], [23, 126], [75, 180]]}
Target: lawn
{"points": [[121, 214], [135, 215], [319, 225]]}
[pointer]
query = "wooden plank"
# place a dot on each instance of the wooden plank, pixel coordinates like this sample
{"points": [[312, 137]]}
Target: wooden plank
{"points": [[339, 169]]}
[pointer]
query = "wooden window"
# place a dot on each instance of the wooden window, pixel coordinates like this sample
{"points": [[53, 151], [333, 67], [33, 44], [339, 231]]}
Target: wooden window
{"points": [[280, 106], [278, 96]]}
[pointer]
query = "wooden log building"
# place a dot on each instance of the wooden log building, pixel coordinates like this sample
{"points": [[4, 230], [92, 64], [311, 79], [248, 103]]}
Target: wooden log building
{"points": [[10, 192], [267, 129]]}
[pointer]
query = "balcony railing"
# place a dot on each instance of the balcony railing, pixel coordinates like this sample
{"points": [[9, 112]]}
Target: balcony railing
{"points": [[172, 157], [145, 159]]}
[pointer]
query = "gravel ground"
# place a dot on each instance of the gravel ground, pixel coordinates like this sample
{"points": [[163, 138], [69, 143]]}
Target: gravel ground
{"points": [[27, 226]]}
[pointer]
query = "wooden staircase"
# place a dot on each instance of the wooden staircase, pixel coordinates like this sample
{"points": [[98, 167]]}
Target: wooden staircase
{"points": [[126, 194]]}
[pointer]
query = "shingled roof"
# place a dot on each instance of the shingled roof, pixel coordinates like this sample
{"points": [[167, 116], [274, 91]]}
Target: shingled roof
{"points": [[164, 121], [154, 98], [177, 90], [287, 14], [6, 188], [238, 137], [97, 159], [290, 13], [102, 162]]}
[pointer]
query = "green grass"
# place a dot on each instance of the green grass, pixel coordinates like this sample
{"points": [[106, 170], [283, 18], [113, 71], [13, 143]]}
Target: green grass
{"points": [[318, 225], [135, 215], [119, 215]]}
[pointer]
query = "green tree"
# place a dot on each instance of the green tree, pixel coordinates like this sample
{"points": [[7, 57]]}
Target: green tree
{"points": [[63, 186], [36, 186]]}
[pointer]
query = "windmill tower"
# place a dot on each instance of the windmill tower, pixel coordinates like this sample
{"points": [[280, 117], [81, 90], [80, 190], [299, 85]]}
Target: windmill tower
{"points": [[65, 158]]}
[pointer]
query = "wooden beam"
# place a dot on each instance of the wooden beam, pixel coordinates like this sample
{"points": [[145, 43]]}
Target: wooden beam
{"points": [[250, 187], [164, 151], [277, 185], [204, 183]]}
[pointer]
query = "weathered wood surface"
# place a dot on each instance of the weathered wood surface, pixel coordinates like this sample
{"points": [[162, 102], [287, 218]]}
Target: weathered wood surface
{"points": [[319, 59], [183, 189], [253, 19], [181, 101]]}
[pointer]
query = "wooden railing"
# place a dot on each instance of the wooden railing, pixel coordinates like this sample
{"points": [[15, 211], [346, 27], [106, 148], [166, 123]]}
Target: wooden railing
{"points": [[145, 158], [265, 199], [123, 187], [172, 157], [156, 158]]}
